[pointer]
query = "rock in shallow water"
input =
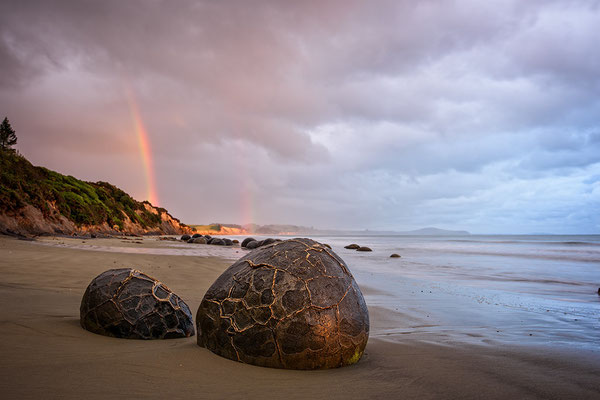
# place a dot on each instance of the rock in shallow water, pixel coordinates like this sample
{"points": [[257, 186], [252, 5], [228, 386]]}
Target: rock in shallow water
{"points": [[290, 304], [127, 303]]}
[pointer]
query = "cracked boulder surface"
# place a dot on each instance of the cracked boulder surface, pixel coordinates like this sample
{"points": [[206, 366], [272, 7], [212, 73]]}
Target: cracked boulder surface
{"points": [[126, 303], [291, 304]]}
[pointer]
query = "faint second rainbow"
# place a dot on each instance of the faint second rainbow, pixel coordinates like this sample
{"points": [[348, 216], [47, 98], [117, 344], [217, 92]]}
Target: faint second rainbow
{"points": [[144, 148]]}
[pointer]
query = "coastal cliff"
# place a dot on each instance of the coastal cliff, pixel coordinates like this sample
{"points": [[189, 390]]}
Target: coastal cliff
{"points": [[35, 201]]}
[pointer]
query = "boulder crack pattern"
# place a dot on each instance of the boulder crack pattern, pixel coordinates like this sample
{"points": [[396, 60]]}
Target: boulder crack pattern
{"points": [[290, 304]]}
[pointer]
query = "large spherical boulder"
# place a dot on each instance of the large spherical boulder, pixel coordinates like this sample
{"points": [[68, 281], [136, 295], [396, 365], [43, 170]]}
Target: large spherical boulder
{"points": [[291, 304], [127, 303], [185, 238]]}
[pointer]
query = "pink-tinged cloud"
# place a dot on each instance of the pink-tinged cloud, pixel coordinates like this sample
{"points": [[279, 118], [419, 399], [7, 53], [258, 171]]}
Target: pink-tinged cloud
{"points": [[383, 115]]}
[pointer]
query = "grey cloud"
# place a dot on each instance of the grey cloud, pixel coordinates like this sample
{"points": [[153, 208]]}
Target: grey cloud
{"points": [[327, 113]]}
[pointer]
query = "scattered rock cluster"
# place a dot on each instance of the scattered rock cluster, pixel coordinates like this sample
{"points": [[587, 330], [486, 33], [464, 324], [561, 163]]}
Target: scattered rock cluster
{"points": [[357, 247], [250, 243], [207, 239]]}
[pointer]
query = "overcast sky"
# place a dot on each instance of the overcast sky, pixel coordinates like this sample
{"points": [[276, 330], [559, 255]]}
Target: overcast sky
{"points": [[476, 115]]}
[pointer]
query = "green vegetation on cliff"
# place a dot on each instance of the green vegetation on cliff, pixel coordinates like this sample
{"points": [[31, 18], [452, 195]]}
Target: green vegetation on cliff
{"points": [[84, 203]]}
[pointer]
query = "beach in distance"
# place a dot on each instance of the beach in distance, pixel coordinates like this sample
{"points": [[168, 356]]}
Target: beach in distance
{"points": [[453, 317]]}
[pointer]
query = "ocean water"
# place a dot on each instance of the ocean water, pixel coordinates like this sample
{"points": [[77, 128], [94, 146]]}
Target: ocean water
{"points": [[539, 290]]}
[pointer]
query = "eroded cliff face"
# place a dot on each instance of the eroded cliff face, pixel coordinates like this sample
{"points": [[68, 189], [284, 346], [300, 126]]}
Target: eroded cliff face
{"points": [[225, 230], [30, 221]]}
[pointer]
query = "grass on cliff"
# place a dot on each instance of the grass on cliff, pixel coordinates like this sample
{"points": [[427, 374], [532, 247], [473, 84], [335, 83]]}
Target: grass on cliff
{"points": [[204, 228], [84, 203]]}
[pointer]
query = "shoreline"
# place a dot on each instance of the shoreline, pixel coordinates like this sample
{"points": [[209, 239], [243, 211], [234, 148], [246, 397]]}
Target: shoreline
{"points": [[48, 355]]}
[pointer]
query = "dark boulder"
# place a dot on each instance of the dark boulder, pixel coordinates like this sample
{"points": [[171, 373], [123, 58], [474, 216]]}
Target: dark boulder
{"points": [[196, 235], [199, 240], [235, 241], [217, 242], [395, 255], [252, 245], [191, 240], [364, 248], [267, 241], [185, 238], [207, 237], [292, 304], [127, 303], [352, 246], [228, 242], [247, 240]]}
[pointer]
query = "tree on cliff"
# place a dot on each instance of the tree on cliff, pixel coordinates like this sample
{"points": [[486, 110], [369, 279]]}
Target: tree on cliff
{"points": [[7, 135]]}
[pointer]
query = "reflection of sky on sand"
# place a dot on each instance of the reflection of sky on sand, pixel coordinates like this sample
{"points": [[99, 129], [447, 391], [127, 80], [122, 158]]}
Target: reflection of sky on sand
{"points": [[165, 249]]}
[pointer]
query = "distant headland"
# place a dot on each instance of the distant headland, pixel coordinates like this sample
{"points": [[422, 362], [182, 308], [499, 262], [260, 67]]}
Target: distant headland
{"points": [[280, 229]]}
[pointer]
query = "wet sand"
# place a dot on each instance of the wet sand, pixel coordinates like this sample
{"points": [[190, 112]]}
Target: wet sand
{"points": [[46, 354]]}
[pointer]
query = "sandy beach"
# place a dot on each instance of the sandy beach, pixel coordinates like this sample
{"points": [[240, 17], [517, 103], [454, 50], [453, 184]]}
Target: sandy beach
{"points": [[46, 354]]}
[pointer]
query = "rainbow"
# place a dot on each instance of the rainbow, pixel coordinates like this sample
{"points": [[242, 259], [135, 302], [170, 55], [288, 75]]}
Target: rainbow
{"points": [[144, 148]]}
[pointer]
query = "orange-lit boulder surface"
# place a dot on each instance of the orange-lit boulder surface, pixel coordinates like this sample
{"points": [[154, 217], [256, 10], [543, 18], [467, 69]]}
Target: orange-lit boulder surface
{"points": [[291, 304]]}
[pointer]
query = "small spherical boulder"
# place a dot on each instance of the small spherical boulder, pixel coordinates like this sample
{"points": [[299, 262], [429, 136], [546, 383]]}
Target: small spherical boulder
{"points": [[352, 246], [247, 240], [395, 255], [196, 235], [199, 240], [364, 248], [185, 238], [291, 304], [127, 303]]}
